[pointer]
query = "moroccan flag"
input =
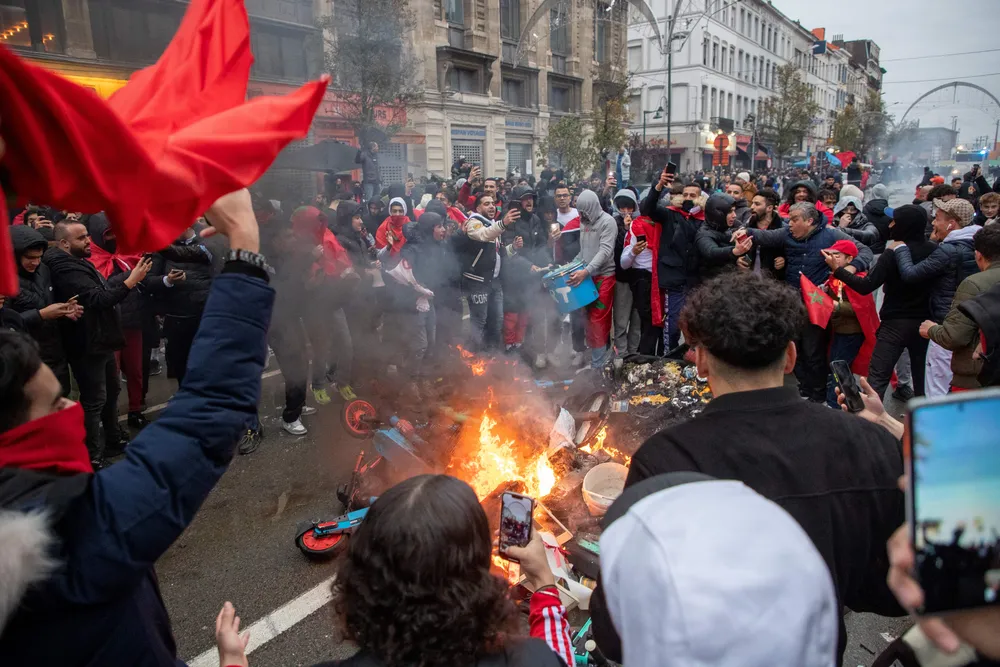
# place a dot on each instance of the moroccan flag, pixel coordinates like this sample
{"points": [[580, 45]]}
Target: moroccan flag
{"points": [[156, 155], [818, 304]]}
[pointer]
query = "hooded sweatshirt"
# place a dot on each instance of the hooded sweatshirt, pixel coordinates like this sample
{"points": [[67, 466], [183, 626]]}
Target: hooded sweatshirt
{"points": [[790, 199], [395, 224], [598, 232], [860, 227], [875, 211], [675, 586], [35, 293]]}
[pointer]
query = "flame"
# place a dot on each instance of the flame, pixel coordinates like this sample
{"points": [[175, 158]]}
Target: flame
{"points": [[598, 446], [511, 571], [496, 461], [477, 366]]}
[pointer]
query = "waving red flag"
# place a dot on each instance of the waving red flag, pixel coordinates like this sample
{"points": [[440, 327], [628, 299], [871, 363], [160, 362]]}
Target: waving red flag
{"points": [[177, 137], [819, 305]]}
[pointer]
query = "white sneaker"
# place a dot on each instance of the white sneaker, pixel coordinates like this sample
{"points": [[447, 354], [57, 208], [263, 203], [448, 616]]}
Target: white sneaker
{"points": [[308, 410], [295, 427], [540, 361]]}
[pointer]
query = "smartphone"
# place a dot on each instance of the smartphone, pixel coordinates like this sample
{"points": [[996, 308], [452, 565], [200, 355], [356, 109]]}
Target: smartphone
{"points": [[516, 512], [671, 168], [848, 384], [953, 498], [640, 238]]}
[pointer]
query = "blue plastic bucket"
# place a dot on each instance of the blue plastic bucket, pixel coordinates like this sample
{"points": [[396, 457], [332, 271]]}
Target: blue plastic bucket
{"points": [[569, 298]]}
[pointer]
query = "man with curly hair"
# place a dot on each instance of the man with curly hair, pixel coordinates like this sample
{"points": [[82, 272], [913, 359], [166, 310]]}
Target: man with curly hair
{"points": [[835, 474]]}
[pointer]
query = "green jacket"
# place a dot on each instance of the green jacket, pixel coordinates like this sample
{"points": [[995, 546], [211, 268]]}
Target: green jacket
{"points": [[960, 334]]}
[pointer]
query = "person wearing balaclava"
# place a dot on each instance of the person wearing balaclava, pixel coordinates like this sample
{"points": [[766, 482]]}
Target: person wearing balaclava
{"points": [[716, 249], [904, 306]]}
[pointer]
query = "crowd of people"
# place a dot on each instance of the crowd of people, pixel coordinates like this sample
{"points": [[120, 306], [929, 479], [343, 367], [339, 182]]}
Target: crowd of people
{"points": [[767, 280]]}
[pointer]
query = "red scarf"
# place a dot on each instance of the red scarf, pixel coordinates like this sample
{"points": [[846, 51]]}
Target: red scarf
{"points": [[105, 261], [53, 442], [456, 214], [395, 224]]}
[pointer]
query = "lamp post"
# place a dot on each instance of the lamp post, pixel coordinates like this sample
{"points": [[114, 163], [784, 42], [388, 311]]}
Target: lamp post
{"points": [[658, 115], [751, 121]]}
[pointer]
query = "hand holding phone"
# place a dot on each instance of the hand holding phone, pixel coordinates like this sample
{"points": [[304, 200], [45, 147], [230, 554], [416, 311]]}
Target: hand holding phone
{"points": [[671, 168], [534, 562], [516, 511], [848, 385]]}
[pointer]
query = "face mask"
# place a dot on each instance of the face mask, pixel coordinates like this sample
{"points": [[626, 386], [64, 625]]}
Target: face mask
{"points": [[397, 220], [688, 205]]}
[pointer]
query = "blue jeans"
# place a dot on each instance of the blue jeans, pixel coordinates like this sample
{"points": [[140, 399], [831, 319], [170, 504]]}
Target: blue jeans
{"points": [[674, 299], [485, 314], [843, 347], [372, 190]]}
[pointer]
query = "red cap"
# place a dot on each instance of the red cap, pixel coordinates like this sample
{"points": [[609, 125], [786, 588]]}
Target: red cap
{"points": [[846, 247]]}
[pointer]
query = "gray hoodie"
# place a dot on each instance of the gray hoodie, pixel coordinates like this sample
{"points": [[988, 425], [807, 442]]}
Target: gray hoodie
{"points": [[597, 236]]}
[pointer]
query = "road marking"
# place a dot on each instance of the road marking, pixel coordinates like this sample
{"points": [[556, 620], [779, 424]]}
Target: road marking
{"points": [[278, 621], [156, 408]]}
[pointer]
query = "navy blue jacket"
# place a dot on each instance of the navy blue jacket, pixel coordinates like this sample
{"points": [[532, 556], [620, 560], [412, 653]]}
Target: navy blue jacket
{"points": [[103, 605], [804, 256], [953, 261]]}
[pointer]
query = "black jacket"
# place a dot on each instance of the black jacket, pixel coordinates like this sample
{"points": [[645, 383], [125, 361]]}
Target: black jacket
{"points": [[520, 652], [187, 297], [743, 212], [99, 330], [369, 167], [678, 255], [35, 292], [132, 306], [621, 275], [715, 251], [875, 212], [834, 473]]}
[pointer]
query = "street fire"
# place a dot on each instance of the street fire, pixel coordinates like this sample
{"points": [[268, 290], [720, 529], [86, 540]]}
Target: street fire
{"points": [[476, 365], [599, 446], [496, 461]]}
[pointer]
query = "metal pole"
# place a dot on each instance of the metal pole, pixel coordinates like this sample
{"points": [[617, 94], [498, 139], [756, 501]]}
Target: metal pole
{"points": [[670, 89], [996, 134], [644, 133]]}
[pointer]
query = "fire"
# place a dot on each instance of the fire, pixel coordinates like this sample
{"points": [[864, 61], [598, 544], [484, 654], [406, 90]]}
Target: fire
{"points": [[497, 462], [598, 446], [477, 366], [511, 571]]}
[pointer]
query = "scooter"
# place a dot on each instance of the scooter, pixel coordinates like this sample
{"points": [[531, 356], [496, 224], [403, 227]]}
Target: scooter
{"points": [[394, 443]]}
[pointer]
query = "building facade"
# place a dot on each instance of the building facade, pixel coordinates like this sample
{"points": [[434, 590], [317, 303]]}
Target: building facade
{"points": [[487, 96], [725, 60]]}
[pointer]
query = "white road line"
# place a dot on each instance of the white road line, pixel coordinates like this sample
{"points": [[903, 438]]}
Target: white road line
{"points": [[275, 623], [156, 408]]}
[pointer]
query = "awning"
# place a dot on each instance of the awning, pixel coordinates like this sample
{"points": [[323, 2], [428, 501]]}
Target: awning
{"points": [[327, 155], [743, 141]]}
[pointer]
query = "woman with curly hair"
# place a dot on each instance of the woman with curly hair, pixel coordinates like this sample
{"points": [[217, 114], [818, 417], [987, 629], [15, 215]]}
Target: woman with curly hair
{"points": [[414, 588]]}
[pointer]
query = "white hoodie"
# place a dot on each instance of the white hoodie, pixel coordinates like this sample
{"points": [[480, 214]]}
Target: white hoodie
{"points": [[712, 574]]}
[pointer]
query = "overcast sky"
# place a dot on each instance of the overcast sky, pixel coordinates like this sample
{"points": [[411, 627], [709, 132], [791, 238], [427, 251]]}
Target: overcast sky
{"points": [[904, 29]]}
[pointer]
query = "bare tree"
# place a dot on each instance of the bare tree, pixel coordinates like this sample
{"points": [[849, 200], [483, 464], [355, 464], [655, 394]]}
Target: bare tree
{"points": [[374, 73], [785, 117]]}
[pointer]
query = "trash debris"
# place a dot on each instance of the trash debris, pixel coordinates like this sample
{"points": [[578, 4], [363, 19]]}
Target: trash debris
{"points": [[651, 399]]}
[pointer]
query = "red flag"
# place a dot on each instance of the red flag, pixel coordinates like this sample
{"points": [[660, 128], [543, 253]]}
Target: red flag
{"points": [[819, 305], [177, 137]]}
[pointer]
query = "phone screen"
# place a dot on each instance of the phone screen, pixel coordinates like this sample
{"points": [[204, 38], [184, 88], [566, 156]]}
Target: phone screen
{"points": [[848, 384], [671, 168], [640, 238], [953, 498], [515, 520]]}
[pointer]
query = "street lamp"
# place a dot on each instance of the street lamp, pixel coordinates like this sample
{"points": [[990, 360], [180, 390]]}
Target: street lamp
{"points": [[657, 115]]}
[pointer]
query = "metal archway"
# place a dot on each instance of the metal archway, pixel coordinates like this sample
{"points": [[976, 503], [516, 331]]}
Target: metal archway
{"points": [[955, 84], [543, 10]]}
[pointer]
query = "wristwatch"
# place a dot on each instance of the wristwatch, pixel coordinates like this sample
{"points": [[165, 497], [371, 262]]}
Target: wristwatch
{"points": [[252, 258]]}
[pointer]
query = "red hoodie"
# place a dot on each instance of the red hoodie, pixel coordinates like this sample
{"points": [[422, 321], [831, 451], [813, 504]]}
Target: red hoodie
{"points": [[309, 223]]}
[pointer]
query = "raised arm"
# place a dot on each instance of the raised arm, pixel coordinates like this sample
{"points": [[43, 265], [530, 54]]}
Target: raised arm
{"points": [[934, 265], [869, 282]]}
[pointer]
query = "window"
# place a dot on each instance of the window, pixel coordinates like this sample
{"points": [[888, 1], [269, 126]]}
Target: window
{"points": [[634, 58], [559, 98], [512, 92], [464, 80], [738, 73], [601, 27], [704, 51], [704, 102], [558, 32], [454, 11], [743, 21], [714, 107], [725, 48], [510, 19], [753, 70], [635, 107], [756, 29], [753, 108], [762, 71], [725, 14], [739, 109], [732, 60], [729, 105], [732, 17], [715, 55]]}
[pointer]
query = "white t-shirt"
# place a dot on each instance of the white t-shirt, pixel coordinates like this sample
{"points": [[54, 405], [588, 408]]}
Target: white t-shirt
{"points": [[564, 218]]}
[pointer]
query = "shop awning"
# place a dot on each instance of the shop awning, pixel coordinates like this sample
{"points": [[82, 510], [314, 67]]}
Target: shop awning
{"points": [[326, 155]]}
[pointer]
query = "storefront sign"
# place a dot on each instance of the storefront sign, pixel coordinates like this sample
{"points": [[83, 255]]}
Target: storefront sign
{"points": [[332, 106], [468, 132], [519, 123]]}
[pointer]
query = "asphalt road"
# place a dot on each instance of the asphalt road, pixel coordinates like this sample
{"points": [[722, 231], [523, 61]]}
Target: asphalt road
{"points": [[241, 544]]}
